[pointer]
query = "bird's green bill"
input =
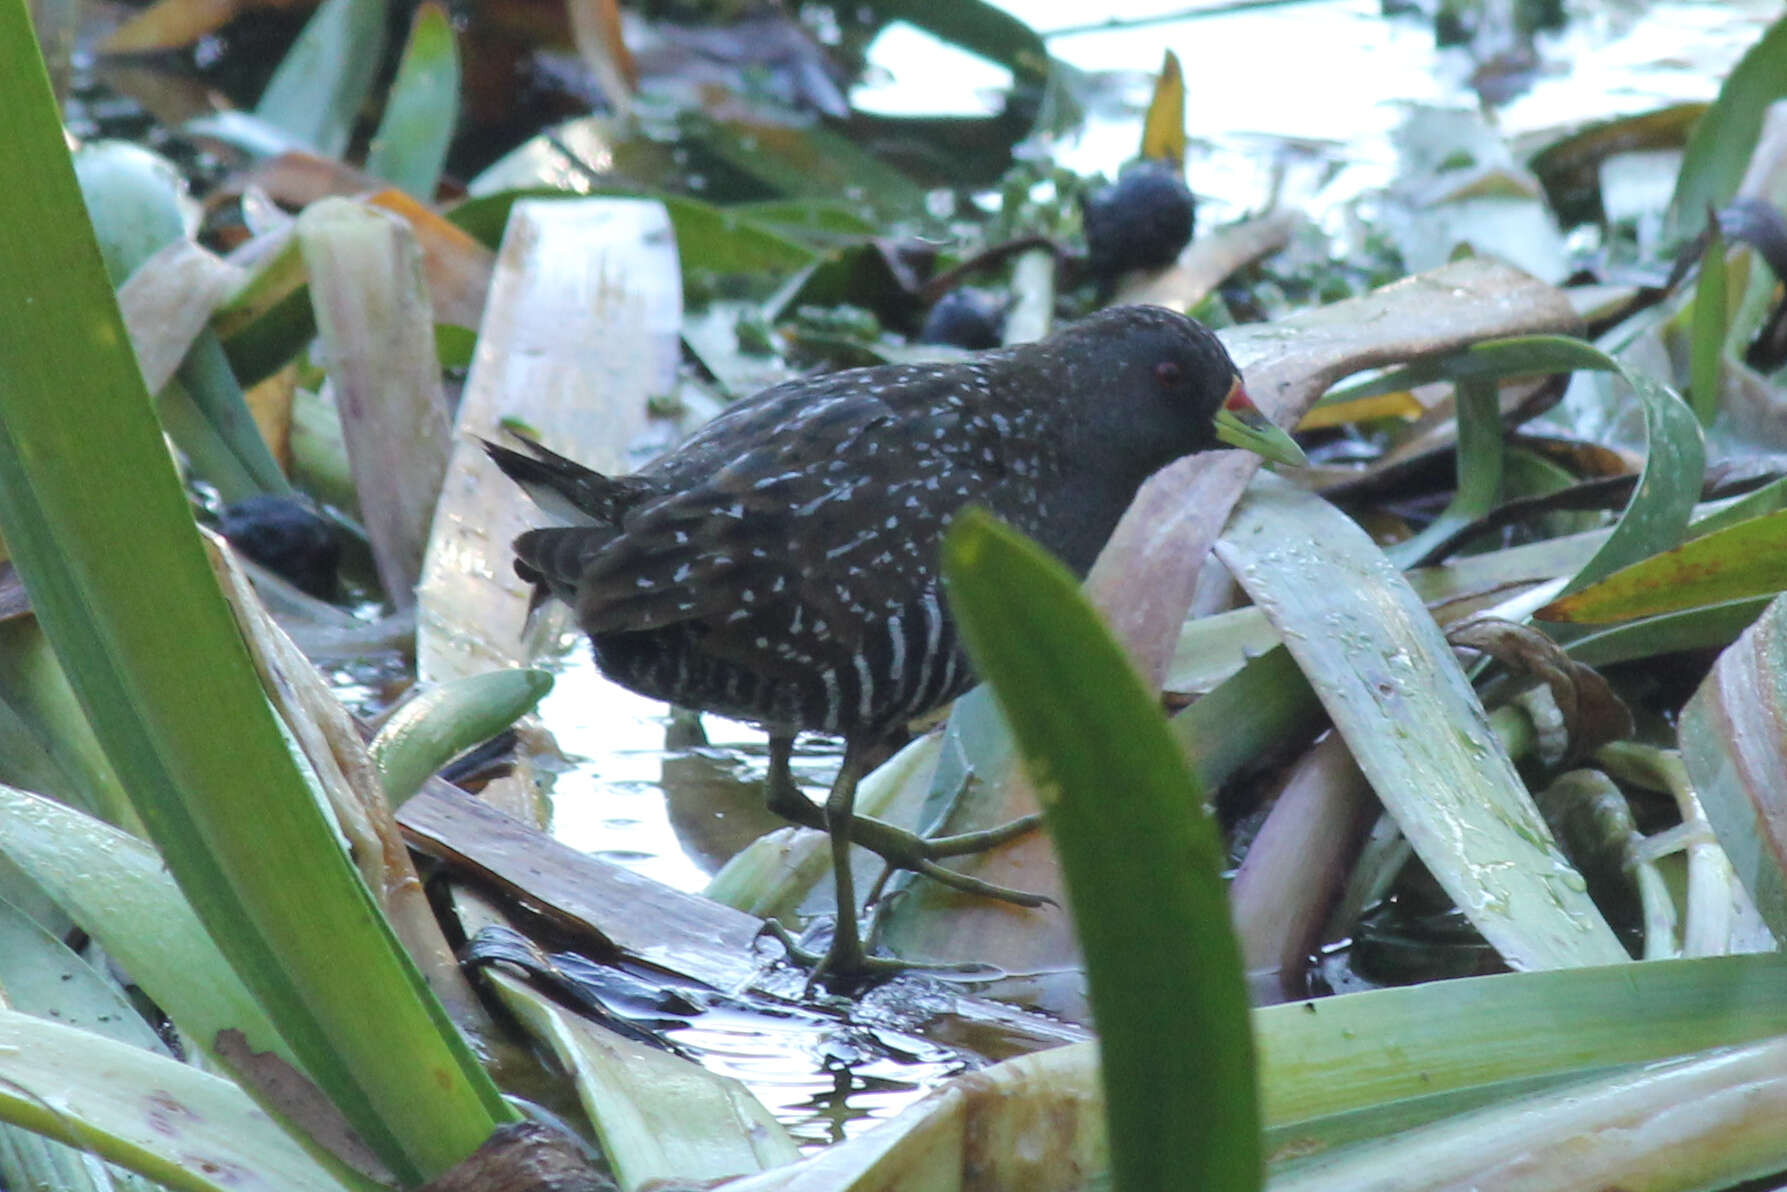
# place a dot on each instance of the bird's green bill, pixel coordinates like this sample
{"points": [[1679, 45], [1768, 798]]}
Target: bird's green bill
{"points": [[1239, 423]]}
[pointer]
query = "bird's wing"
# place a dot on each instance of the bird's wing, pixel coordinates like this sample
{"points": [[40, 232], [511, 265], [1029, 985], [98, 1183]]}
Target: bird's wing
{"points": [[834, 488]]}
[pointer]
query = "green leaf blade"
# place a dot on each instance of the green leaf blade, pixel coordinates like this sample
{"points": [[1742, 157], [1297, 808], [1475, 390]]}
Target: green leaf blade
{"points": [[125, 594], [409, 149], [1162, 959], [1719, 149], [1738, 562], [1409, 714]]}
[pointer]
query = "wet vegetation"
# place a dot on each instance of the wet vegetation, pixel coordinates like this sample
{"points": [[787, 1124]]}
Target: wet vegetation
{"points": [[1413, 818]]}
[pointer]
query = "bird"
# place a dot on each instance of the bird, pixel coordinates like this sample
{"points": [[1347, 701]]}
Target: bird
{"points": [[782, 564]]}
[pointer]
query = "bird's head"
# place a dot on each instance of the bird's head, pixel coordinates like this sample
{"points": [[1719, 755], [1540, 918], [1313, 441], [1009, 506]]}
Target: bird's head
{"points": [[1154, 385]]}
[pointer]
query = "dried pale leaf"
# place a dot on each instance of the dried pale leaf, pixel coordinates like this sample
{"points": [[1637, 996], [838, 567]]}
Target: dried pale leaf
{"points": [[579, 332], [377, 325], [270, 403], [596, 31], [297, 178], [1033, 297], [1296, 867], [171, 24], [1734, 745], [299, 1101], [457, 267], [683, 933], [1593, 715], [1401, 404], [167, 301], [333, 746], [1033, 1122], [522, 1157]]}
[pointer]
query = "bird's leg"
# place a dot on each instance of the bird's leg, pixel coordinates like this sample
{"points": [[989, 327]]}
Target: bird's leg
{"points": [[848, 958], [845, 957], [898, 847], [781, 794]]}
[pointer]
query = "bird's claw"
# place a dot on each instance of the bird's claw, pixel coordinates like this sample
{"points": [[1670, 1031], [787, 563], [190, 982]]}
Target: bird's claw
{"points": [[846, 971]]}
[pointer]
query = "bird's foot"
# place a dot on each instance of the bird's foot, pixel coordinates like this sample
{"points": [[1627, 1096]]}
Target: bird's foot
{"points": [[845, 966], [901, 849]]}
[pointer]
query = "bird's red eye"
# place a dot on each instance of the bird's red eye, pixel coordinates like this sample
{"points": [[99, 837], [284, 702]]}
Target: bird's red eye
{"points": [[1168, 372]]}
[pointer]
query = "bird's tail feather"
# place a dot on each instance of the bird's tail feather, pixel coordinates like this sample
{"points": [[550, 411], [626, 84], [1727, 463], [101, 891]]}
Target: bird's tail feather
{"points": [[564, 488]]}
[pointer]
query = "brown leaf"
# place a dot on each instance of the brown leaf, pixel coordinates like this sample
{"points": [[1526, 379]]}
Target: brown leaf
{"points": [[1593, 715], [277, 1083], [523, 1157]]}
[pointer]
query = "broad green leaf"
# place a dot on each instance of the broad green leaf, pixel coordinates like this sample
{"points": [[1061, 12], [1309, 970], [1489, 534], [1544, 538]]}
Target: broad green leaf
{"points": [[43, 977], [37, 694], [1397, 694], [803, 161], [410, 146], [1145, 886], [708, 238], [1657, 515], [814, 220], [1770, 498], [1479, 469], [117, 889], [185, 1129], [1339, 1054], [1705, 628], [270, 319], [1355, 1066], [1745, 560], [1705, 1121], [1570, 169], [133, 197], [1244, 716], [135, 201], [1525, 355], [661, 1118]]}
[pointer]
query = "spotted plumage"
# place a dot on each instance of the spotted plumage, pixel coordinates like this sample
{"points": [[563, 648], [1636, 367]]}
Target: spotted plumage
{"points": [[781, 565]]}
